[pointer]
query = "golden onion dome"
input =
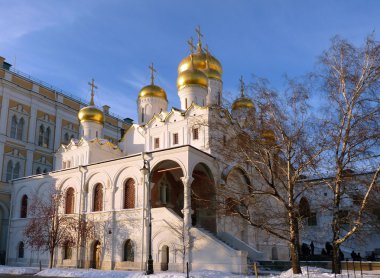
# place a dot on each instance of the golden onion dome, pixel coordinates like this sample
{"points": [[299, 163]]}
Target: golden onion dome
{"points": [[192, 76], [211, 73], [199, 61], [242, 102], [91, 114], [268, 136], [152, 91]]}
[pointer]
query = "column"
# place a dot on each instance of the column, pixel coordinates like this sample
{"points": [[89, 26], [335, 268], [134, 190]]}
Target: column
{"points": [[57, 134], [4, 115], [1, 159], [29, 163], [32, 124], [187, 212]]}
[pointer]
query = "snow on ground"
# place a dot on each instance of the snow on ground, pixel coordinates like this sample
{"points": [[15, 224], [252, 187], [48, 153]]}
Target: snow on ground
{"points": [[311, 272]]}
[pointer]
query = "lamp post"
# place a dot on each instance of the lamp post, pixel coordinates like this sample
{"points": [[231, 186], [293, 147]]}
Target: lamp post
{"points": [[146, 171]]}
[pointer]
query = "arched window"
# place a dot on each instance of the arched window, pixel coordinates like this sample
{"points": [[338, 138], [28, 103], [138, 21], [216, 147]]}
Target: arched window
{"points": [[66, 138], [21, 250], [98, 197], [47, 137], [129, 254], [13, 126], [24, 206], [45, 171], [129, 194], [16, 171], [142, 114], [67, 252], [38, 170], [20, 129], [9, 170], [41, 135], [69, 206], [304, 208]]}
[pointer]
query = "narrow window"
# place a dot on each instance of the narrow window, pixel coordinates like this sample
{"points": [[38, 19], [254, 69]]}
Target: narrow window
{"points": [[195, 133], [16, 171], [98, 197], [129, 255], [129, 194], [69, 206], [38, 170], [45, 171], [156, 143], [24, 207], [67, 253], [21, 250], [47, 138], [13, 127], [9, 170], [186, 103], [63, 165], [142, 115], [66, 138], [175, 138], [20, 129], [41, 136]]}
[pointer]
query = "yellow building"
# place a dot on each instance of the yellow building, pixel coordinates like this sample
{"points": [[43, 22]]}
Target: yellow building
{"points": [[35, 119]]}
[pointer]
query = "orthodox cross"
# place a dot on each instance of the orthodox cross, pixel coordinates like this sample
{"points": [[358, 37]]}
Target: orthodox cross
{"points": [[190, 42], [241, 86], [152, 71], [93, 86], [200, 35]]}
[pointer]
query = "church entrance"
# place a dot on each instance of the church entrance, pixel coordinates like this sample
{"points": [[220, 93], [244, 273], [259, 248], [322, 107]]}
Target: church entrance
{"points": [[164, 258], [96, 255], [168, 187], [203, 198]]}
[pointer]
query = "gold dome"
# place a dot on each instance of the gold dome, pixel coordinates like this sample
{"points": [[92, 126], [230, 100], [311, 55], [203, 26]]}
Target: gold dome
{"points": [[199, 61], [242, 102], [192, 76], [211, 73], [92, 114], [152, 91], [268, 136]]}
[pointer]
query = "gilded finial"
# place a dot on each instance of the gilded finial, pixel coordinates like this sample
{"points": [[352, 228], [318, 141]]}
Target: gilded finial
{"points": [[152, 71], [242, 85], [93, 86], [190, 42], [200, 35]]}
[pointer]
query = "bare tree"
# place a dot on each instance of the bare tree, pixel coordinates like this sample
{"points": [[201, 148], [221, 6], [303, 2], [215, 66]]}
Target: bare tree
{"points": [[48, 229], [279, 146], [350, 79]]}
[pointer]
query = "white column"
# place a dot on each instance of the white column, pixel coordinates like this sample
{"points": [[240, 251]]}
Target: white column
{"points": [[32, 124], [4, 114], [187, 212], [57, 135], [29, 163]]}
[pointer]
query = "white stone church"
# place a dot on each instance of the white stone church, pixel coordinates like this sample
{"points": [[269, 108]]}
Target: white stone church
{"points": [[164, 162]]}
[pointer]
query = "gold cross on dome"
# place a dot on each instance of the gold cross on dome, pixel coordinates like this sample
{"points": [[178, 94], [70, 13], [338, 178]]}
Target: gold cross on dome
{"points": [[190, 42], [152, 71], [200, 35], [241, 86], [93, 86]]}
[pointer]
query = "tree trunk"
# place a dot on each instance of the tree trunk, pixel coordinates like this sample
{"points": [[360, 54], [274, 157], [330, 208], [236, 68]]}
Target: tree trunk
{"points": [[336, 265], [51, 258], [294, 244]]}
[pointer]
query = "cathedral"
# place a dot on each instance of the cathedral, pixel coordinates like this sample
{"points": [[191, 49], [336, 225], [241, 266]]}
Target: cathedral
{"points": [[149, 193]]}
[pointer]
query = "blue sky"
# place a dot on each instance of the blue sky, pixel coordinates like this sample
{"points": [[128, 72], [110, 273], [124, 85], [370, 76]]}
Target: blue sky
{"points": [[66, 43]]}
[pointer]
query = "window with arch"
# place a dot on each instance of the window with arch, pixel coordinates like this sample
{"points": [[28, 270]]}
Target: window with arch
{"points": [[13, 126], [98, 197], [142, 114], [38, 170], [129, 194], [129, 254], [16, 171], [24, 206], [45, 170], [9, 170], [69, 201], [21, 250], [67, 251], [20, 129], [47, 137], [41, 135]]}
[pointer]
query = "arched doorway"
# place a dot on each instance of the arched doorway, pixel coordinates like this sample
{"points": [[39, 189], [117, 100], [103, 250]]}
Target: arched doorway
{"points": [[96, 254], [203, 198], [168, 187], [164, 258]]}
